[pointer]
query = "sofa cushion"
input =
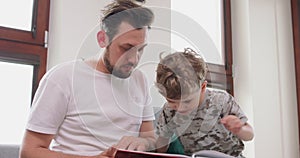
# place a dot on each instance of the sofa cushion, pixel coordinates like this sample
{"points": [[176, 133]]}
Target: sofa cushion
{"points": [[9, 151]]}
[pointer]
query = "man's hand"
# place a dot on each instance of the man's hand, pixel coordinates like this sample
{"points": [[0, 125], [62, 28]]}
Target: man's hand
{"points": [[145, 142], [109, 153], [133, 143]]}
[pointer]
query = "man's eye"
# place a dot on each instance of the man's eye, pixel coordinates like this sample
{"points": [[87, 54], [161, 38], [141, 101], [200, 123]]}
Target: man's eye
{"points": [[126, 48], [141, 49]]}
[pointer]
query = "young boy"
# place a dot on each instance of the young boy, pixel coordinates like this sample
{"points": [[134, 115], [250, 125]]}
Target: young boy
{"points": [[201, 118]]}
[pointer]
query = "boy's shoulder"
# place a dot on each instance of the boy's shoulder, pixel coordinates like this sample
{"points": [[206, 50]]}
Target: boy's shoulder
{"points": [[213, 93], [217, 97], [214, 90]]}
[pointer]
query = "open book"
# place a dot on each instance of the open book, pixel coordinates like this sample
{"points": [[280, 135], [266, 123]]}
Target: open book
{"points": [[141, 154]]}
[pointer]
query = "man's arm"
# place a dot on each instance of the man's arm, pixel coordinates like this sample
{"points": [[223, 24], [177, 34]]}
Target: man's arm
{"points": [[147, 132], [162, 144], [145, 141], [36, 145]]}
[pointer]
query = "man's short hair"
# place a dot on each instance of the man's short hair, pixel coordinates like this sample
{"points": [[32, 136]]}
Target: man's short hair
{"points": [[125, 11]]}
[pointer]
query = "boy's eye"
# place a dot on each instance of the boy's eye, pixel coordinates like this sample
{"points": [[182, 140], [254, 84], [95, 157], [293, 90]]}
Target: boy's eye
{"points": [[171, 105], [187, 101], [170, 102]]}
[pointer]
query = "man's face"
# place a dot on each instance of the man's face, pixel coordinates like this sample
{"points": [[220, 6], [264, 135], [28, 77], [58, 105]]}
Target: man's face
{"points": [[124, 52]]}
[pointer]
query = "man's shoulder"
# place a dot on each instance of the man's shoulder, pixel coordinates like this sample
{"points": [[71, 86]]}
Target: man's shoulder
{"points": [[138, 76], [61, 70]]}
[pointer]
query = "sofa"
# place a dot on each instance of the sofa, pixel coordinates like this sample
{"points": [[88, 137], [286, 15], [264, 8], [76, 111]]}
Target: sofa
{"points": [[9, 151]]}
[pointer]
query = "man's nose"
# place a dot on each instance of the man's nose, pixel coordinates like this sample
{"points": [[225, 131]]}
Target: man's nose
{"points": [[133, 56]]}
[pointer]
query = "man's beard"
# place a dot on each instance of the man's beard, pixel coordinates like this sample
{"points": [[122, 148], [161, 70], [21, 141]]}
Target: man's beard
{"points": [[111, 68]]}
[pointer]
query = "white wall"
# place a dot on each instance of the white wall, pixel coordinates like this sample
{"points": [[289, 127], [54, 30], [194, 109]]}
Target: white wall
{"points": [[71, 29], [265, 78], [188, 25], [263, 58]]}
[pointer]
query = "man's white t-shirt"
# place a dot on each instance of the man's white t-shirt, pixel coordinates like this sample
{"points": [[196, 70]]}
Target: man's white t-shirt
{"points": [[87, 110]]}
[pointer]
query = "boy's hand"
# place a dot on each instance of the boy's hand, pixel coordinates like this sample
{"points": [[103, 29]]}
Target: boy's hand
{"points": [[232, 123]]}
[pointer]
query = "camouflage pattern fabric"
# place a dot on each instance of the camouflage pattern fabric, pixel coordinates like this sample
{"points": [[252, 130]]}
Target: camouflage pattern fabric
{"points": [[201, 129]]}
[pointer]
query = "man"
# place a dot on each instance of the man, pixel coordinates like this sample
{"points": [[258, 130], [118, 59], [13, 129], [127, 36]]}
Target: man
{"points": [[83, 107]]}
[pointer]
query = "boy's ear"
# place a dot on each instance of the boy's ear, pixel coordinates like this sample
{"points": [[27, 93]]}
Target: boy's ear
{"points": [[102, 39], [203, 86]]}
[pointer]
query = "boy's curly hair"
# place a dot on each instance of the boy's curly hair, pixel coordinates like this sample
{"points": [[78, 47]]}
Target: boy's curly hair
{"points": [[180, 73]]}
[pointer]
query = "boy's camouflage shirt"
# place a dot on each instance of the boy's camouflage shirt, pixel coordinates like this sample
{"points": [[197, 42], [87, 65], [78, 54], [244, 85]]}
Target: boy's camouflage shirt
{"points": [[201, 129]]}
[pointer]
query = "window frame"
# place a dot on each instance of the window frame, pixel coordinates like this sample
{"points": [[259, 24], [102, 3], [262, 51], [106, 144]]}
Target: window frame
{"points": [[221, 76], [40, 22], [295, 10], [25, 54], [28, 47]]}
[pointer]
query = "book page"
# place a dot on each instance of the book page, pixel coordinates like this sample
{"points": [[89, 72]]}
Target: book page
{"points": [[210, 154], [141, 154]]}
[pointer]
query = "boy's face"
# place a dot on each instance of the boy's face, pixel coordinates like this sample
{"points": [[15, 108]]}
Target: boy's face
{"points": [[188, 103], [185, 105]]}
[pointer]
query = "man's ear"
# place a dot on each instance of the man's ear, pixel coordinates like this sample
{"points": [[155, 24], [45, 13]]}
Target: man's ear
{"points": [[102, 39]]}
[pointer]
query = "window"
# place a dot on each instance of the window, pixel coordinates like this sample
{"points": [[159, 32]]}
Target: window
{"points": [[15, 81], [22, 19], [39, 25], [24, 48], [211, 35]]}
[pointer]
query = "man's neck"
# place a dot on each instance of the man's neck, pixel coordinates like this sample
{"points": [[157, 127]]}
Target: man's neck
{"points": [[97, 63]]}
